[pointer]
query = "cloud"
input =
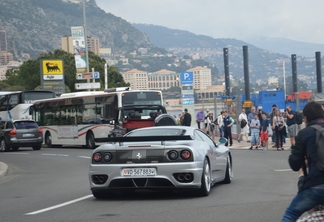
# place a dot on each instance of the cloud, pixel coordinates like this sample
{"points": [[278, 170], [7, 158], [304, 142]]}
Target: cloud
{"points": [[298, 20]]}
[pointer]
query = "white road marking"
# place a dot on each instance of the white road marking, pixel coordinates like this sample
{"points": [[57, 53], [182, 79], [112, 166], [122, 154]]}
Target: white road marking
{"points": [[59, 205], [283, 170], [15, 153], [53, 154], [86, 157]]}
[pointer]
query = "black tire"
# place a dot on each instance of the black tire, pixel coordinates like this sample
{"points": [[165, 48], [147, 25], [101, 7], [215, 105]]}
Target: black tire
{"points": [[229, 171], [48, 139], [90, 141], [37, 147], [205, 180], [165, 120], [4, 146]]}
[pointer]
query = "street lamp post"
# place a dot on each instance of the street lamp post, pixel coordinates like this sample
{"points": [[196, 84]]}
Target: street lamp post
{"points": [[86, 37]]}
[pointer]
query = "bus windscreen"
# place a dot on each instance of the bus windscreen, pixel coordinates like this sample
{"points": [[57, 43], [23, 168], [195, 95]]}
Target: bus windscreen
{"points": [[141, 98], [29, 97]]}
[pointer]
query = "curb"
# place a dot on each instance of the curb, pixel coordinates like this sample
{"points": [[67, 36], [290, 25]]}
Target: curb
{"points": [[3, 169]]}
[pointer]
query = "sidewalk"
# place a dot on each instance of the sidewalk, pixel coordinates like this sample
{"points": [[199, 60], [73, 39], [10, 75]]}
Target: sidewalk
{"points": [[246, 145]]}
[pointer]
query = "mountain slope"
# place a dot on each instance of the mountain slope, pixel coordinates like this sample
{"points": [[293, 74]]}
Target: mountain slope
{"points": [[34, 26], [286, 46]]}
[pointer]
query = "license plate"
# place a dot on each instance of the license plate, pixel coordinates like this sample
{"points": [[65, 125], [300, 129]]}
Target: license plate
{"points": [[28, 135], [139, 172]]}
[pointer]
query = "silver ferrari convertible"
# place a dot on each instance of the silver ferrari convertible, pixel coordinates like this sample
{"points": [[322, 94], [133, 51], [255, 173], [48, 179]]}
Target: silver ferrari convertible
{"points": [[159, 158]]}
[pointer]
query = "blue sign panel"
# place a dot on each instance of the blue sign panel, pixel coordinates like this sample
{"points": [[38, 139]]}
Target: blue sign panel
{"points": [[187, 95], [188, 102], [95, 75], [186, 77]]}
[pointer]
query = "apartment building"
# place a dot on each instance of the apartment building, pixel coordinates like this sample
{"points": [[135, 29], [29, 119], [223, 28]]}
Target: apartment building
{"points": [[202, 77], [93, 44], [163, 79], [5, 57], [137, 79]]}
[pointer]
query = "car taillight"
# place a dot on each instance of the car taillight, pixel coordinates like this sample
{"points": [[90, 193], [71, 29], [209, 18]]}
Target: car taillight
{"points": [[173, 155], [185, 154], [40, 130], [97, 157], [13, 132]]}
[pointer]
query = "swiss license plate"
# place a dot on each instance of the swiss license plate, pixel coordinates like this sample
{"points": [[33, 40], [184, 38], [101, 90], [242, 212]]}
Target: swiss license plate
{"points": [[28, 135], [139, 172]]}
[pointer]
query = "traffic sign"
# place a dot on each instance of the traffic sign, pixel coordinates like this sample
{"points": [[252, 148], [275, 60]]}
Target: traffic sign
{"points": [[186, 78], [92, 85], [88, 75]]}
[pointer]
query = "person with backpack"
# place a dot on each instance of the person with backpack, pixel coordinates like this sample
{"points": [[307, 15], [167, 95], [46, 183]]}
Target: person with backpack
{"points": [[308, 149]]}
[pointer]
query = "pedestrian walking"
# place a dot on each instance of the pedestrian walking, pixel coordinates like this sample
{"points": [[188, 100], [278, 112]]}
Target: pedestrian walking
{"points": [[186, 118], [278, 125], [311, 193], [244, 126], [291, 124], [211, 126], [206, 121], [200, 117], [228, 122], [255, 132], [250, 117]]}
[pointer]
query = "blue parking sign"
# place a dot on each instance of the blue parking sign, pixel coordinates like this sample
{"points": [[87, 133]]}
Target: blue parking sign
{"points": [[95, 75], [186, 77]]}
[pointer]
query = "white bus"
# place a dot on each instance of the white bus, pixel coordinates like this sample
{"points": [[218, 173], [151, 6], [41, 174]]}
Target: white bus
{"points": [[15, 104], [79, 118]]}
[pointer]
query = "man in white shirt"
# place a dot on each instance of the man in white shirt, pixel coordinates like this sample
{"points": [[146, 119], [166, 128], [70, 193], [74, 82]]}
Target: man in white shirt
{"points": [[220, 124], [243, 120]]}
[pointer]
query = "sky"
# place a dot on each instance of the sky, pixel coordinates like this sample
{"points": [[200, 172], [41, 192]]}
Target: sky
{"points": [[299, 20]]}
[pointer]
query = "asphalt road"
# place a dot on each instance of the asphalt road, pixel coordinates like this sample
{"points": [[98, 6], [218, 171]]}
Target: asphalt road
{"points": [[52, 185]]}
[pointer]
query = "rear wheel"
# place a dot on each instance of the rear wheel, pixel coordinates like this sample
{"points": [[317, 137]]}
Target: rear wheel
{"points": [[4, 146], [37, 147], [205, 180], [90, 141], [48, 139]]}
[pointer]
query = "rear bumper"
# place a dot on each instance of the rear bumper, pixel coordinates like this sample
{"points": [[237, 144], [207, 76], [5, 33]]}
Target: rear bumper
{"points": [[164, 178], [25, 142]]}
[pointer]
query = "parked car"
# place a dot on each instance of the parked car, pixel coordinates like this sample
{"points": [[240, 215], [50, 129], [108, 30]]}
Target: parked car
{"points": [[159, 158], [20, 133]]}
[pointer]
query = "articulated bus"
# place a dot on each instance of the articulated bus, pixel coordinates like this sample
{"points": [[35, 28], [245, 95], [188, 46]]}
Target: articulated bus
{"points": [[15, 104], [78, 118]]}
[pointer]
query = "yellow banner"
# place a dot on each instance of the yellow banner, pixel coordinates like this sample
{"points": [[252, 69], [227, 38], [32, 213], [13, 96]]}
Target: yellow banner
{"points": [[52, 67]]}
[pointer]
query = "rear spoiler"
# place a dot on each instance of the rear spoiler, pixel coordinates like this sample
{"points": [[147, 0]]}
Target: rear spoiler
{"points": [[141, 139]]}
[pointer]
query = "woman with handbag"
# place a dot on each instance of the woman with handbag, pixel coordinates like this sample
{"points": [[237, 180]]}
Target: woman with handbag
{"points": [[278, 125]]}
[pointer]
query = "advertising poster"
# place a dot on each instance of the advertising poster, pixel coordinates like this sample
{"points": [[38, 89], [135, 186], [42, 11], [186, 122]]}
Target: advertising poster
{"points": [[79, 49]]}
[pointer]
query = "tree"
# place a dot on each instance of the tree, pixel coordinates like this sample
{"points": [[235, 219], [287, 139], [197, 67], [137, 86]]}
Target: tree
{"points": [[28, 74]]}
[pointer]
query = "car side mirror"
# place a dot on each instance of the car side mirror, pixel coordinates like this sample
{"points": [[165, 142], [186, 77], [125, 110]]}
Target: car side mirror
{"points": [[222, 140]]}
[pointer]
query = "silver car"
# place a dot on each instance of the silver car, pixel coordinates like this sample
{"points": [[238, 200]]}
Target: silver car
{"points": [[159, 158]]}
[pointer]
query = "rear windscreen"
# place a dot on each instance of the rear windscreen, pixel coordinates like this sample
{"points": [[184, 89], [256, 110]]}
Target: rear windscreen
{"points": [[25, 125]]}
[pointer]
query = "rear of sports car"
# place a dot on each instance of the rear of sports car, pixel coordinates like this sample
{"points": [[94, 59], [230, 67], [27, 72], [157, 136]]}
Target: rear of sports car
{"points": [[144, 166]]}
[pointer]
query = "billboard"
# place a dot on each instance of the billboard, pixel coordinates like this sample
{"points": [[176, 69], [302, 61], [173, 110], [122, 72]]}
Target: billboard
{"points": [[79, 49]]}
